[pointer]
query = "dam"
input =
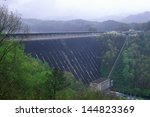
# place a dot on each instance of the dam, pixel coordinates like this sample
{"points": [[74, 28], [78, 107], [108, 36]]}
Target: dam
{"points": [[75, 52]]}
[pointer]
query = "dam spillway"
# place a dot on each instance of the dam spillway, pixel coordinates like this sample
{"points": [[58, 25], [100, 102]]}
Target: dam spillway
{"points": [[80, 56]]}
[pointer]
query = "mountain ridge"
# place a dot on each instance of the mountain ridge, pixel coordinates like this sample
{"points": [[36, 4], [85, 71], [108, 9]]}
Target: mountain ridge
{"points": [[137, 18], [36, 25]]}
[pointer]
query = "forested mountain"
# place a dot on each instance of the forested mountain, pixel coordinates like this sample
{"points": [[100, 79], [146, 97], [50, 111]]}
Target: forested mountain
{"points": [[137, 18], [36, 25], [137, 22], [46, 26]]}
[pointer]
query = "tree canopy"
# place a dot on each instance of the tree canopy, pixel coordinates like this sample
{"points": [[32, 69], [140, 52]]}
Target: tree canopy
{"points": [[131, 74]]}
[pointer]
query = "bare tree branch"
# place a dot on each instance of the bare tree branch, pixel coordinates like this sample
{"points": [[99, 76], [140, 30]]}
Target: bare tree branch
{"points": [[10, 23]]}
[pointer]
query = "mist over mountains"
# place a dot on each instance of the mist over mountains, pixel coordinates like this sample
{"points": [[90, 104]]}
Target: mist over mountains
{"points": [[73, 25], [137, 21], [137, 18]]}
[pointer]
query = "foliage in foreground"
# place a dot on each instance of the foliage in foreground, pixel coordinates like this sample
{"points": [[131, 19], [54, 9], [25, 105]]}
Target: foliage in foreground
{"points": [[21, 76]]}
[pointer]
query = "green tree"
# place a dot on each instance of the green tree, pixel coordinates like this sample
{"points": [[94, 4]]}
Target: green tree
{"points": [[112, 42]]}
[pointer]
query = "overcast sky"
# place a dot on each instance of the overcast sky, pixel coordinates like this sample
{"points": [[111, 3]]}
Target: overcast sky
{"points": [[76, 9]]}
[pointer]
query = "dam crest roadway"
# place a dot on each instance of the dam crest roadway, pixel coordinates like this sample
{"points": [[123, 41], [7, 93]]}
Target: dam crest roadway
{"points": [[51, 36]]}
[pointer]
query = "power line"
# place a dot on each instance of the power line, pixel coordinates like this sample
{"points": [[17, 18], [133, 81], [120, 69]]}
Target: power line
{"points": [[118, 57]]}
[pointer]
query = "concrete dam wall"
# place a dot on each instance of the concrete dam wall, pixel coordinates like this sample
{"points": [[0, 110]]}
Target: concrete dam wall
{"points": [[49, 36], [80, 56]]}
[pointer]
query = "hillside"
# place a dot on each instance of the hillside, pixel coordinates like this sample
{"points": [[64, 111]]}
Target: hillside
{"points": [[137, 18], [131, 73], [36, 25]]}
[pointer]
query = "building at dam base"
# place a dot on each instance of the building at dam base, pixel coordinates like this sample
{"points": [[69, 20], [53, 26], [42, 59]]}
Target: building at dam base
{"points": [[101, 84]]}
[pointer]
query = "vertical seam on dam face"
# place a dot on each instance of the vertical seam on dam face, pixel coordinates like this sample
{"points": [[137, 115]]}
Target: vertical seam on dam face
{"points": [[78, 56]]}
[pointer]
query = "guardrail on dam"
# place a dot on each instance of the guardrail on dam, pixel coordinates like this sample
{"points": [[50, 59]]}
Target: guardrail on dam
{"points": [[48, 36]]}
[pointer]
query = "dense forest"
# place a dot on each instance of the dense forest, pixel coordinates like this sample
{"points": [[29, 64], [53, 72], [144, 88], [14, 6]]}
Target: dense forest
{"points": [[132, 71]]}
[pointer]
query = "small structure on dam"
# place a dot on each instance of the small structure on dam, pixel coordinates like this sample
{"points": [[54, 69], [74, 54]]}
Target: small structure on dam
{"points": [[101, 84], [80, 56]]}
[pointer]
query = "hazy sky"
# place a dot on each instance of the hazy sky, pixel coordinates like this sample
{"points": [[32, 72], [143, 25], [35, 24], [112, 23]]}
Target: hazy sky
{"points": [[73, 9]]}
